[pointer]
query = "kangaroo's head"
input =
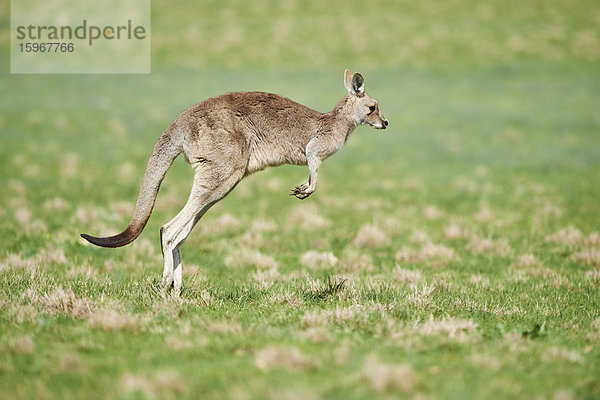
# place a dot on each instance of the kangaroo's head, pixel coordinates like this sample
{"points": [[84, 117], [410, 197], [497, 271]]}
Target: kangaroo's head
{"points": [[364, 108]]}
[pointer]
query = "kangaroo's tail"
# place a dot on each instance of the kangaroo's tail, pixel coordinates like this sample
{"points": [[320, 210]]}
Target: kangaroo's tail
{"points": [[165, 151]]}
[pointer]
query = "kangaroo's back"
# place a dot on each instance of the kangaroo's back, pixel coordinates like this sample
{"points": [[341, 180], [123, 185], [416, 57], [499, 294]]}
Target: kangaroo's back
{"points": [[274, 129]]}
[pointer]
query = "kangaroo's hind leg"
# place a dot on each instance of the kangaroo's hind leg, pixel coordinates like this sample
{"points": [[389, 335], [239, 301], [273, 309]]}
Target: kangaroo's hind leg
{"points": [[210, 185]]}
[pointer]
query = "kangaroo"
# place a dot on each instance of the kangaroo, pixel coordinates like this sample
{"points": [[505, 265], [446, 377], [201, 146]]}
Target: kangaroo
{"points": [[228, 137]]}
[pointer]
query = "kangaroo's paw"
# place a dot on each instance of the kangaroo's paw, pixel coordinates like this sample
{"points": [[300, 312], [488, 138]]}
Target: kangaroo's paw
{"points": [[166, 282], [302, 191]]}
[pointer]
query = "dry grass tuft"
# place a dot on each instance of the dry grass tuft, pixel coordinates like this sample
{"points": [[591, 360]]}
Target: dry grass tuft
{"points": [[593, 239], [479, 245], [316, 334], [23, 216], [266, 277], [455, 231], [52, 255], [273, 357], [263, 225], [404, 276], [464, 184], [249, 258], [346, 314], [589, 256], [175, 343], [464, 331], [193, 270], [561, 354], [170, 382], [315, 259], [593, 276], [441, 284], [419, 237], [46, 256], [22, 345], [307, 217], [224, 326], [70, 362], [223, 224], [206, 298], [570, 236], [486, 361], [421, 297], [136, 385], [479, 280], [354, 260], [481, 171], [371, 236], [30, 295], [274, 185], [432, 213], [384, 377], [290, 299], [31, 170], [437, 252], [393, 225], [69, 164], [82, 271], [23, 313], [527, 261], [122, 209], [15, 261], [528, 266], [594, 335], [314, 318], [87, 216], [164, 384], [112, 320], [438, 255], [128, 171], [341, 315], [143, 248], [548, 208], [484, 215], [56, 204], [64, 302], [17, 186], [588, 246], [251, 240], [563, 395], [370, 204]]}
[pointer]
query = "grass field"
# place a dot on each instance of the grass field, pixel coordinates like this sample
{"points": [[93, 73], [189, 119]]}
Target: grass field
{"points": [[455, 255]]}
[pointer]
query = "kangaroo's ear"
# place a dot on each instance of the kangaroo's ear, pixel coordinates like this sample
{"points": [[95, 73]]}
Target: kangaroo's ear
{"points": [[358, 85], [348, 80]]}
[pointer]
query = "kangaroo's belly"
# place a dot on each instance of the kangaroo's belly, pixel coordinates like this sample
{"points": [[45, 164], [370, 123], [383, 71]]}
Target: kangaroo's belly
{"points": [[266, 156]]}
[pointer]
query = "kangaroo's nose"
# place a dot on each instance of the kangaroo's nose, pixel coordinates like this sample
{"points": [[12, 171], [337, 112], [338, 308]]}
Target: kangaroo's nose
{"points": [[385, 122]]}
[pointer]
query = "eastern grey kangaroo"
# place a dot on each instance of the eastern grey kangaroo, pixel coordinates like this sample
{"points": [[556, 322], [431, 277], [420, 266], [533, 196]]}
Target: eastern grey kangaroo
{"points": [[233, 135]]}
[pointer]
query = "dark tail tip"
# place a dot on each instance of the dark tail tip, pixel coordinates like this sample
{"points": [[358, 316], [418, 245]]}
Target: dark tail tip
{"points": [[123, 238]]}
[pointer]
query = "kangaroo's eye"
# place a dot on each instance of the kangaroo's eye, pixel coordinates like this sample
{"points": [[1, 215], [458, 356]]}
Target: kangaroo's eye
{"points": [[372, 108]]}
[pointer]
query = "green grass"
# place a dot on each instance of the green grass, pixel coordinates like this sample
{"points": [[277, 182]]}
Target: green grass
{"points": [[454, 255]]}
